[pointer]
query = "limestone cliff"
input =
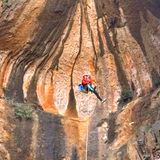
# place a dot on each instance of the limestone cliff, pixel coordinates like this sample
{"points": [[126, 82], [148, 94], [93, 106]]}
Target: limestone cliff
{"points": [[45, 48]]}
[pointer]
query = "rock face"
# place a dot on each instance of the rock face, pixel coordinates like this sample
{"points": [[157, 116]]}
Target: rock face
{"points": [[45, 48]]}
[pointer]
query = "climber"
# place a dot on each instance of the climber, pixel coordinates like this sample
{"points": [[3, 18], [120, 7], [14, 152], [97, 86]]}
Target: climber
{"points": [[87, 85]]}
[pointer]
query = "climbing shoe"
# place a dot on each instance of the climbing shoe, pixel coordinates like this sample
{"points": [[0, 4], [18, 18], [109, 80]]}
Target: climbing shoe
{"points": [[103, 100]]}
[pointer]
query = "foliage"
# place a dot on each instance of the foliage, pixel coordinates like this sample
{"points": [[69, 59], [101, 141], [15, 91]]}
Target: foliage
{"points": [[10, 101], [126, 96], [157, 82], [4, 2], [23, 111]]}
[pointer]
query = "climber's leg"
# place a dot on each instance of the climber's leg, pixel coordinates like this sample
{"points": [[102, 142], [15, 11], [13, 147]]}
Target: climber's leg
{"points": [[90, 87], [97, 95]]}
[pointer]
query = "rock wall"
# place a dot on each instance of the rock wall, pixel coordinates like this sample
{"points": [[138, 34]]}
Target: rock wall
{"points": [[45, 48]]}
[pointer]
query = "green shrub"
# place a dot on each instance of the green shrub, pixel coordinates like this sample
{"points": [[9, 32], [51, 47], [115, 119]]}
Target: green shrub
{"points": [[10, 102], [4, 3], [126, 96], [157, 82], [23, 111]]}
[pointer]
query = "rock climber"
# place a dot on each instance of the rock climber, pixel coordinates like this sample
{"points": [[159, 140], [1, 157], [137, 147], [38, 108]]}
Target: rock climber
{"points": [[87, 85]]}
